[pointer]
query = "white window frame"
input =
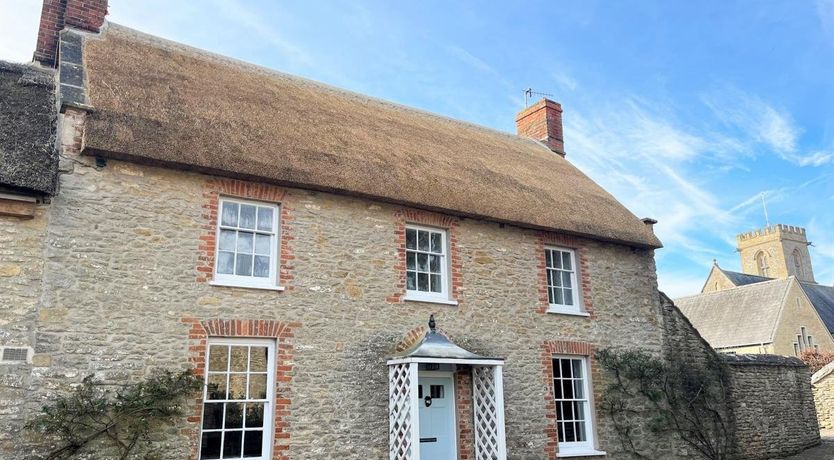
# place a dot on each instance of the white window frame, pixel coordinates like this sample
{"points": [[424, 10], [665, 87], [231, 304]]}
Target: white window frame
{"points": [[232, 280], [269, 406], [445, 282], [587, 447], [576, 308]]}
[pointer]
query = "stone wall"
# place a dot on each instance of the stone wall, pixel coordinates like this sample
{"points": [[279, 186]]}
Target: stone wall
{"points": [[21, 271], [772, 406], [822, 383], [123, 287]]}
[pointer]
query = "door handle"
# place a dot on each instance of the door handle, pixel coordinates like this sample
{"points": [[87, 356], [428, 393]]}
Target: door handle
{"points": [[428, 439]]}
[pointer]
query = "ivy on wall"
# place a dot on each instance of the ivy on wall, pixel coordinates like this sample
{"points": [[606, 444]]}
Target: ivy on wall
{"points": [[682, 397], [94, 417]]}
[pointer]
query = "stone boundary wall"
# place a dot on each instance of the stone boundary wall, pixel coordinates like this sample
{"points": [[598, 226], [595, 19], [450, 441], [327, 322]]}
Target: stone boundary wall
{"points": [[822, 385], [771, 406]]}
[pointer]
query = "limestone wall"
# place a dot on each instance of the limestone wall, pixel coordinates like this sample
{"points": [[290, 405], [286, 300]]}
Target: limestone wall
{"points": [[122, 288], [822, 383], [772, 405]]}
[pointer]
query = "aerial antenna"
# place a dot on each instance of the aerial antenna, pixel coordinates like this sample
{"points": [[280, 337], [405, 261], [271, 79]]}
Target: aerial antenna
{"points": [[529, 93], [764, 206]]}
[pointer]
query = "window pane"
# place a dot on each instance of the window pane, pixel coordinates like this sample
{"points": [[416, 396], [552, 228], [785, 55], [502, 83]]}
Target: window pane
{"points": [[423, 262], [557, 297], [566, 373], [556, 369], [247, 216], [570, 433], [579, 410], [557, 260], [561, 431], [436, 286], [557, 387], [232, 444], [410, 260], [253, 443], [566, 264], [262, 244], [577, 368], [258, 359], [234, 415], [244, 265], [265, 219], [237, 386], [578, 389], [213, 416], [423, 240], [410, 238], [226, 263], [548, 256], [557, 278], [210, 447], [434, 264], [229, 216], [580, 432], [257, 386], [567, 410], [567, 389], [227, 240], [240, 358], [550, 297], [566, 282], [437, 391], [261, 266], [244, 242], [411, 281], [568, 296], [254, 415], [422, 282], [216, 386], [437, 243], [218, 357]]}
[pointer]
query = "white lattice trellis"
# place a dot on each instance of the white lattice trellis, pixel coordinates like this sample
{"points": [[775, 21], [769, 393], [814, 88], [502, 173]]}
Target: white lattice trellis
{"points": [[488, 402], [402, 412]]}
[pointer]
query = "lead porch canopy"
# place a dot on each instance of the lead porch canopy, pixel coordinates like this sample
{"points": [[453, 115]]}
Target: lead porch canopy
{"points": [[403, 401]]}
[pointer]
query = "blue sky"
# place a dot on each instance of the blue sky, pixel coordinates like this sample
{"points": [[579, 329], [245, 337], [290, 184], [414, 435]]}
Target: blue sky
{"points": [[685, 111]]}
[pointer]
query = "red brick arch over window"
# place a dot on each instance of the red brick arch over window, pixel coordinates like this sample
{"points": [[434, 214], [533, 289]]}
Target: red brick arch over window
{"points": [[561, 347], [198, 334], [544, 240], [431, 219], [215, 188]]}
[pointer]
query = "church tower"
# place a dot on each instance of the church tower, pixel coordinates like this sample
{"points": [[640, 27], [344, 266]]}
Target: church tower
{"points": [[777, 251]]}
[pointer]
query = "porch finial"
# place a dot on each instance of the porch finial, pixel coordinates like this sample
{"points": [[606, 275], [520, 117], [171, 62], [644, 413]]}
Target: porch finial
{"points": [[432, 324]]}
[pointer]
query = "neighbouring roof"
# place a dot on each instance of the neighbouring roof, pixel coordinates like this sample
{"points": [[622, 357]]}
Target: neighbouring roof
{"points": [[822, 297], [28, 159], [737, 316], [165, 103], [743, 279]]}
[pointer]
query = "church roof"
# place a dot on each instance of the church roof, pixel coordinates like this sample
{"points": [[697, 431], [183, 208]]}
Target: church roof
{"points": [[744, 315], [822, 297], [164, 103], [743, 279]]}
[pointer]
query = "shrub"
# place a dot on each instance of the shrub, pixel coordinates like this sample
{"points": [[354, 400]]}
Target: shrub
{"points": [[816, 360]]}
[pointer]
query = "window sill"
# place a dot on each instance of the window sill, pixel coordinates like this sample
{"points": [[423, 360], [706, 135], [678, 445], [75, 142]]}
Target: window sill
{"points": [[560, 311], [581, 453], [245, 286], [411, 298]]}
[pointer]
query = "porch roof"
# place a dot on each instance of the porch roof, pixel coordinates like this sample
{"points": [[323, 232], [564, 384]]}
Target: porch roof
{"points": [[436, 347]]}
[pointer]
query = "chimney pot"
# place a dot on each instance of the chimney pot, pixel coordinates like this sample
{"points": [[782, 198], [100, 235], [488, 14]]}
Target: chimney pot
{"points": [[542, 121]]}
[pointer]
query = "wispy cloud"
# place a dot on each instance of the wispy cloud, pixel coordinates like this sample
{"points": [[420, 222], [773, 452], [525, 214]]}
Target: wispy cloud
{"points": [[758, 123], [250, 21]]}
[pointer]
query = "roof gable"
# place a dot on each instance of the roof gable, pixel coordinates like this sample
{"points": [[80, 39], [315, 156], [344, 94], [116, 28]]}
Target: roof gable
{"points": [[161, 102], [822, 298]]}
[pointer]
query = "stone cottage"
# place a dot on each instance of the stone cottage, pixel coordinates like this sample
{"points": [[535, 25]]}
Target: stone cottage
{"points": [[289, 242], [774, 306]]}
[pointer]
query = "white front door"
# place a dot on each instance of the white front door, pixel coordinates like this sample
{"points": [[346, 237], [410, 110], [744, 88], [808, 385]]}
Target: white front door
{"points": [[437, 418]]}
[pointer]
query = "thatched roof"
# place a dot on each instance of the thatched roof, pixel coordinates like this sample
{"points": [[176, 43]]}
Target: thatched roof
{"points": [[28, 159], [161, 102]]}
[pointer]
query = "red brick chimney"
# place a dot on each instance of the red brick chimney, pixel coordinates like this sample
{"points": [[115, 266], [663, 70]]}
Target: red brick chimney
{"points": [[57, 14], [542, 121]]}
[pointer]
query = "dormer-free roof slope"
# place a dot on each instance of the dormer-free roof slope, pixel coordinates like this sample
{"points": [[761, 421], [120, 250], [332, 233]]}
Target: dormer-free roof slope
{"points": [[161, 102]]}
